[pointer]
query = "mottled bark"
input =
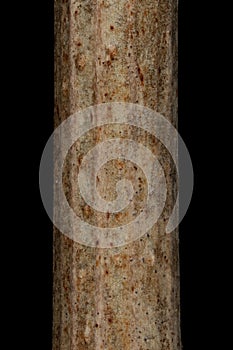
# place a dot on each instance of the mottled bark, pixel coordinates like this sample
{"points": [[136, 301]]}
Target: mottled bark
{"points": [[127, 297]]}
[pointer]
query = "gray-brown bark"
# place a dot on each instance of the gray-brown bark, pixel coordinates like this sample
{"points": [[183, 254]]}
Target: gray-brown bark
{"points": [[127, 297]]}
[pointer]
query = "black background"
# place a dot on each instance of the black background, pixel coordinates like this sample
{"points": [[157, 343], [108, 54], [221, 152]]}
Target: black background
{"points": [[199, 70]]}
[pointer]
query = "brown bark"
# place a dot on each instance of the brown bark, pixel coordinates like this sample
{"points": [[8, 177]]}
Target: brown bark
{"points": [[126, 297]]}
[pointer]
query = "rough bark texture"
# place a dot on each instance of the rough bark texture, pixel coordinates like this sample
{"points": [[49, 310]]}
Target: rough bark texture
{"points": [[127, 297]]}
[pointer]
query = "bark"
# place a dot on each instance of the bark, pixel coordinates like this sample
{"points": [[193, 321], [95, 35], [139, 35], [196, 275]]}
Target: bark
{"points": [[125, 297]]}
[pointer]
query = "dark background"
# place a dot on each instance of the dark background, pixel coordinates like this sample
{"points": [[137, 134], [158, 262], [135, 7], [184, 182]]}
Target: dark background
{"points": [[198, 44]]}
